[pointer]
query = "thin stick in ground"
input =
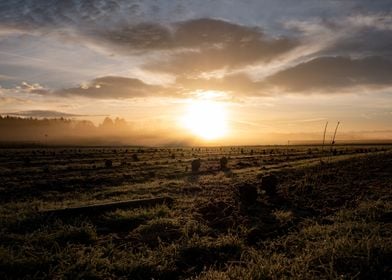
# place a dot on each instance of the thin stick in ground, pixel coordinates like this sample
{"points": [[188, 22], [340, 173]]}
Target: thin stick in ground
{"points": [[334, 135], [325, 131]]}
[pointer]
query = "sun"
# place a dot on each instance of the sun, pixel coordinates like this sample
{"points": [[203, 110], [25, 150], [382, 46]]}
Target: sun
{"points": [[206, 119]]}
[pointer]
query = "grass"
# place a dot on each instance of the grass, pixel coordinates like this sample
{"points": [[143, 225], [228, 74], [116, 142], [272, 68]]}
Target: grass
{"points": [[327, 221]]}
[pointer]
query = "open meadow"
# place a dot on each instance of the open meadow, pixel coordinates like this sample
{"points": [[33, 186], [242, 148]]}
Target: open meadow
{"points": [[263, 212]]}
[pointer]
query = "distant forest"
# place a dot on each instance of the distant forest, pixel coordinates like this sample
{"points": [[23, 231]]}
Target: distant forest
{"points": [[62, 130]]}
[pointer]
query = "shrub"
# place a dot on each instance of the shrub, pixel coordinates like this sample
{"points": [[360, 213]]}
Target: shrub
{"points": [[195, 164], [223, 163]]}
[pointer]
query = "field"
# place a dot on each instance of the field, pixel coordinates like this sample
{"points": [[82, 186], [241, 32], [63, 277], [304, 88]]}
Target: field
{"points": [[330, 216]]}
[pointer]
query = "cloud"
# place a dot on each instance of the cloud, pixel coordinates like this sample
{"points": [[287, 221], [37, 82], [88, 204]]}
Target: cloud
{"points": [[141, 37], [42, 114], [111, 87], [325, 74], [211, 44], [322, 75], [236, 84], [203, 32], [362, 34], [31, 87], [317, 53], [365, 41], [189, 46], [5, 100], [114, 87]]}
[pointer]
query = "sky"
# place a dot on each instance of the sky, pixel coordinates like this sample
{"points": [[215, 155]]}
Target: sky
{"points": [[222, 71]]}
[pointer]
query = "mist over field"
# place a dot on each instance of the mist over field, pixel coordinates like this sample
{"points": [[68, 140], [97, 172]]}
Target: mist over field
{"points": [[73, 130], [63, 131]]}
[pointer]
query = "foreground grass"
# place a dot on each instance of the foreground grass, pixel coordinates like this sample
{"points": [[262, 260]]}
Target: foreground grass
{"points": [[328, 221]]}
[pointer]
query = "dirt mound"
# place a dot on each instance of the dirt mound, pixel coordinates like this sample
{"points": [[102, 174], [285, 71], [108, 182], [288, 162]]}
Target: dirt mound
{"points": [[269, 184], [217, 214]]}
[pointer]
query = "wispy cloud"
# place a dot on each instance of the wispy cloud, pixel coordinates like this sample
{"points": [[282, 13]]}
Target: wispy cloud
{"points": [[42, 114]]}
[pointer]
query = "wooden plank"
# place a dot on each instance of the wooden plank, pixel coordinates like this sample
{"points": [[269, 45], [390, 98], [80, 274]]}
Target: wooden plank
{"points": [[110, 206]]}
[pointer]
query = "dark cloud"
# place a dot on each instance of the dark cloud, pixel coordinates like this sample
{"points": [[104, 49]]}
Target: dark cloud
{"points": [[333, 74], [367, 41], [144, 36], [207, 31], [111, 87], [320, 75], [215, 44], [196, 33], [114, 87], [194, 46], [362, 34]]}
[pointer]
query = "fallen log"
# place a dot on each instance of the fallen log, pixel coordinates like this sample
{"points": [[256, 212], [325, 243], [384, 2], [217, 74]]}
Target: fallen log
{"points": [[110, 206]]}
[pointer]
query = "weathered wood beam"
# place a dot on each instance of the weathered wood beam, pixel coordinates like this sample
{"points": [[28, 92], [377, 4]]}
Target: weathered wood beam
{"points": [[110, 206]]}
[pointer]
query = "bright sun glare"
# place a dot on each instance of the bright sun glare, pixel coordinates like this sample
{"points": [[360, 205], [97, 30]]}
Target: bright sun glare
{"points": [[206, 119]]}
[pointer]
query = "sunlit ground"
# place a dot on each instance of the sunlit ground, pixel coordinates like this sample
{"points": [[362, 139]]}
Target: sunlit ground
{"points": [[206, 119]]}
